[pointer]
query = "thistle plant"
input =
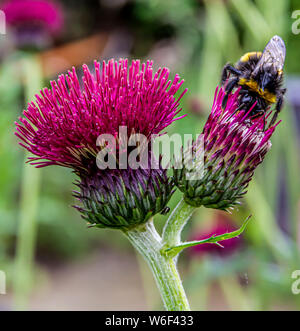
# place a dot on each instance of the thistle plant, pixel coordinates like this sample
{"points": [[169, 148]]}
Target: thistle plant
{"points": [[233, 147], [34, 22], [63, 125]]}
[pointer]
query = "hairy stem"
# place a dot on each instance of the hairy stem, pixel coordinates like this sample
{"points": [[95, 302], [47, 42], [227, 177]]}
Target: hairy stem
{"points": [[176, 222], [148, 243]]}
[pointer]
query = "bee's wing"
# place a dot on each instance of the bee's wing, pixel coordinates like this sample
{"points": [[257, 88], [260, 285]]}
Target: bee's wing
{"points": [[273, 55]]}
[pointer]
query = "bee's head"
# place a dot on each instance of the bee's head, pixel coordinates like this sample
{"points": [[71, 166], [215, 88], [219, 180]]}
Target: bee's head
{"points": [[266, 78]]}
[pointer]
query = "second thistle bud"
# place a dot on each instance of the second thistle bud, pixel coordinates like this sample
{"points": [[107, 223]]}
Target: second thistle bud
{"points": [[232, 148]]}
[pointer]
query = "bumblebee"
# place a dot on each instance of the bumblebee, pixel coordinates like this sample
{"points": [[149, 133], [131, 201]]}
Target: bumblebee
{"points": [[259, 76]]}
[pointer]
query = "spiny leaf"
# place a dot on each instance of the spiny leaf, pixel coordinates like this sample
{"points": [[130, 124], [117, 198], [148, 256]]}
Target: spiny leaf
{"points": [[173, 251]]}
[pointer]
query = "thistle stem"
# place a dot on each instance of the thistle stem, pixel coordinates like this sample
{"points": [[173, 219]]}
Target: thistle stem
{"points": [[176, 222], [26, 239], [149, 244]]}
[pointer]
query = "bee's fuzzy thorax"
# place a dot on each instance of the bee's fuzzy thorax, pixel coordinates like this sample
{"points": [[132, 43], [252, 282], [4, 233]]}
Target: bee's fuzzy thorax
{"points": [[248, 56]]}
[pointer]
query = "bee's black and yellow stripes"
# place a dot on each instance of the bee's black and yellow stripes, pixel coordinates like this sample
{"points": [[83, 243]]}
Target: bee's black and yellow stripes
{"points": [[253, 86], [248, 55]]}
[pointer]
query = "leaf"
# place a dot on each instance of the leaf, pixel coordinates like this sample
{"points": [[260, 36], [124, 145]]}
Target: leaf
{"points": [[173, 251]]}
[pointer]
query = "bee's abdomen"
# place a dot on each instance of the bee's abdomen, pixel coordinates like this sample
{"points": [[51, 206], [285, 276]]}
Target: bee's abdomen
{"points": [[252, 85]]}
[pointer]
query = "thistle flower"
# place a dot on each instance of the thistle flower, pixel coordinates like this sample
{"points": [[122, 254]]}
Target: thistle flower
{"points": [[35, 21], [233, 147], [62, 127]]}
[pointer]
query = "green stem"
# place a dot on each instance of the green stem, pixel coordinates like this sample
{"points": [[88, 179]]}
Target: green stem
{"points": [[26, 238], [148, 243], [176, 222]]}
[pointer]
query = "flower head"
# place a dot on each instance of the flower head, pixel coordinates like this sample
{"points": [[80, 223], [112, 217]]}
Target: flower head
{"points": [[63, 125], [233, 147], [45, 13], [122, 199], [34, 21]]}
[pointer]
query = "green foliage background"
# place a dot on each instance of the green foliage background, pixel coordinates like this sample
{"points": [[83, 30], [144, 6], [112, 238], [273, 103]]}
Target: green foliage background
{"points": [[204, 36]]}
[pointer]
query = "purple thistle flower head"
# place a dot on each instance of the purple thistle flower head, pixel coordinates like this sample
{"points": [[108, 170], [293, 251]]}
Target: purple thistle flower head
{"points": [[62, 126], [122, 199], [35, 22], [234, 146], [43, 12]]}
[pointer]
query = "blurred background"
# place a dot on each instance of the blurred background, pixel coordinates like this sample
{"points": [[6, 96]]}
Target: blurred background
{"points": [[50, 258]]}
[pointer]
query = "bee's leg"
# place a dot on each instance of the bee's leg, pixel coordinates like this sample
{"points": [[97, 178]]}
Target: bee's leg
{"points": [[228, 89], [260, 113], [282, 91], [242, 105], [231, 69], [278, 108], [224, 74]]}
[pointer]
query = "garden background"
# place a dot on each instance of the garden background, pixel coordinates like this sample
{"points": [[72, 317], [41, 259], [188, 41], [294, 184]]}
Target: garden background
{"points": [[50, 258]]}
